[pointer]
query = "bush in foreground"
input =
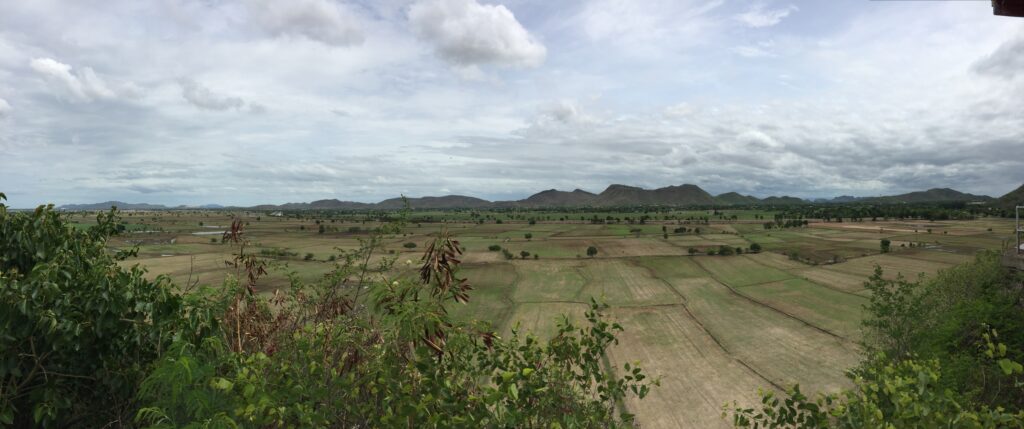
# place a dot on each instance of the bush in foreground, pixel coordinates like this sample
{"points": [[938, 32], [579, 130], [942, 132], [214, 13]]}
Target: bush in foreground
{"points": [[90, 344]]}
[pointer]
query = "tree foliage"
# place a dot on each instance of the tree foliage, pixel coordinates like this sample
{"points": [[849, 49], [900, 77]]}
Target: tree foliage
{"points": [[79, 331], [89, 344]]}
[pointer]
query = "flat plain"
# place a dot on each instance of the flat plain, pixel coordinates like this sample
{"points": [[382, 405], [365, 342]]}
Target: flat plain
{"points": [[713, 328]]}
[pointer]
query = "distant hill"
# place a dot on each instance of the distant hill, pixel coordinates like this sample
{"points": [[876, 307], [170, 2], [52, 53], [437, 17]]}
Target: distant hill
{"points": [[445, 202], [934, 195], [682, 195], [616, 195], [1013, 198], [844, 199], [107, 204], [556, 198], [783, 201], [736, 199]]}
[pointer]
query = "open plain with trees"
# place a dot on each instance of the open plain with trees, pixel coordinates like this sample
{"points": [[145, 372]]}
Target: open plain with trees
{"points": [[783, 306]]}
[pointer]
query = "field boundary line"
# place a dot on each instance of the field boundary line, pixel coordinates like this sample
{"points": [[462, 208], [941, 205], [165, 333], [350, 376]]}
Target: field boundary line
{"points": [[796, 275], [769, 306], [686, 309], [703, 328]]}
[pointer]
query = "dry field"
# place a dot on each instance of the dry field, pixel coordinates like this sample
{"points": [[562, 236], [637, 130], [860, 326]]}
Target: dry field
{"points": [[714, 328]]}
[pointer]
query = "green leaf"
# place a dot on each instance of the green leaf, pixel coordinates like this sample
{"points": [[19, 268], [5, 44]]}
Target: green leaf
{"points": [[222, 383], [1009, 366]]}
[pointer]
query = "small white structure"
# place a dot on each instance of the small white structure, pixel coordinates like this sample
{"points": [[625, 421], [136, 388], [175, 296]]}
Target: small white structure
{"points": [[1019, 231]]}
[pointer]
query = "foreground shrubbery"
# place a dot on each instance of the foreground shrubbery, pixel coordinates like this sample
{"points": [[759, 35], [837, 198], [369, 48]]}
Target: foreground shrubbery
{"points": [[87, 343], [942, 353]]}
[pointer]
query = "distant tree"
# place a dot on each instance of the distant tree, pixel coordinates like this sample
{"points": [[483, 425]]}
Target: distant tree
{"points": [[528, 236], [213, 240], [754, 247], [533, 222], [739, 250], [302, 227], [725, 250], [696, 230], [321, 229], [308, 257], [536, 256], [494, 247], [524, 254], [711, 252], [664, 229], [692, 251], [409, 245], [201, 224], [498, 222], [885, 245], [664, 235], [591, 251]]}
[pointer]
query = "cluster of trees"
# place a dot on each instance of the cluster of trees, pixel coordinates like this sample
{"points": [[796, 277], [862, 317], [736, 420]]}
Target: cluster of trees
{"points": [[785, 223], [724, 250], [90, 343], [859, 212], [944, 352]]}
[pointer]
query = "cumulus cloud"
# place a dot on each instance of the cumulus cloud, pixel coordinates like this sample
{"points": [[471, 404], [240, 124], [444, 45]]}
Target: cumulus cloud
{"points": [[5, 108], [758, 16], [1007, 61], [83, 85], [467, 33], [201, 97], [325, 21]]}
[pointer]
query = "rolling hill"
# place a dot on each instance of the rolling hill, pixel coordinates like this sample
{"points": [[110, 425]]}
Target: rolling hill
{"points": [[1012, 198], [616, 195], [736, 199], [556, 198], [934, 195]]}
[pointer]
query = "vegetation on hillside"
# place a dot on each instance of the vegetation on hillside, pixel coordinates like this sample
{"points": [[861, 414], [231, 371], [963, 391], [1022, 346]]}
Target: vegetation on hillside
{"points": [[88, 343], [941, 353]]}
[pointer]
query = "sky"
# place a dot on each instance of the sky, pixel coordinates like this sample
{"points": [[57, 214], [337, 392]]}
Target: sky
{"points": [[261, 101]]}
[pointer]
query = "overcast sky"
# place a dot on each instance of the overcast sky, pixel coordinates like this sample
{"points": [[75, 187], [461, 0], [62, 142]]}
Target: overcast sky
{"points": [[263, 101]]}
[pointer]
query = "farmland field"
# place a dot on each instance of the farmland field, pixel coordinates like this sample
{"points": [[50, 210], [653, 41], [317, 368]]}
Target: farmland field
{"points": [[713, 328]]}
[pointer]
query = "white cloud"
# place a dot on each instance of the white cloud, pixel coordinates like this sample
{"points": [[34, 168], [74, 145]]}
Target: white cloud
{"points": [[321, 20], [83, 85], [5, 108], [201, 97], [467, 33], [758, 17], [1007, 61]]}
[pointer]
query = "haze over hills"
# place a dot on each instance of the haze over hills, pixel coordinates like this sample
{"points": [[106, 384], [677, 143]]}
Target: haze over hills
{"points": [[615, 195]]}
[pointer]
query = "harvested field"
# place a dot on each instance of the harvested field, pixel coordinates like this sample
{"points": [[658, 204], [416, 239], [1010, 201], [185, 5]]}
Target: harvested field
{"points": [[739, 271]]}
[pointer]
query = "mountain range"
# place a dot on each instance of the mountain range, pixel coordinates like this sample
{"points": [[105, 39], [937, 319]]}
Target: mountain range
{"points": [[614, 196]]}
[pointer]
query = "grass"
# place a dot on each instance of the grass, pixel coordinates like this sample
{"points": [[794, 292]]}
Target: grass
{"points": [[830, 309], [737, 271]]}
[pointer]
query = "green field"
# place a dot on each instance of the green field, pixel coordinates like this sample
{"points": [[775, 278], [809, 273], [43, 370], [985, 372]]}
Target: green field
{"points": [[715, 328]]}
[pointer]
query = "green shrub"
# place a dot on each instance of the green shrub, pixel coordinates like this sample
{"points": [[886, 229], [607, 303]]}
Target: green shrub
{"points": [[79, 331]]}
